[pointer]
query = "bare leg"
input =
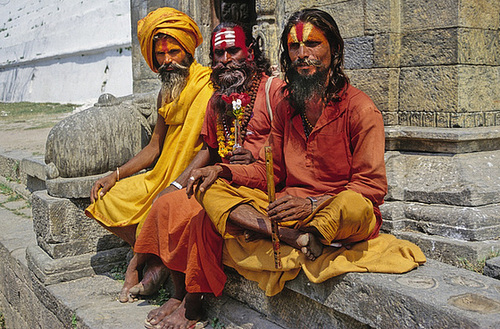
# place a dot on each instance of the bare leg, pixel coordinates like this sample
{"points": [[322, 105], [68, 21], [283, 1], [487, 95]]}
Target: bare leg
{"points": [[155, 274], [132, 277], [158, 314], [248, 218], [127, 234]]}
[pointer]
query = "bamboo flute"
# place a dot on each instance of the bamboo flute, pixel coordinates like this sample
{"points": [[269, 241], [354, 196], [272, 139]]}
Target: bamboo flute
{"points": [[272, 198]]}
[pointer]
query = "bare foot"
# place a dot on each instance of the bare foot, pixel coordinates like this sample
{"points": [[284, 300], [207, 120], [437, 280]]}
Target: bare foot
{"points": [[310, 245], [154, 277], [131, 279], [177, 319], [159, 314]]}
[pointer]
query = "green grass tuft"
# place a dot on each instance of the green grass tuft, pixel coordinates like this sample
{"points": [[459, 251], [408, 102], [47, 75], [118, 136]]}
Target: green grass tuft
{"points": [[21, 111]]}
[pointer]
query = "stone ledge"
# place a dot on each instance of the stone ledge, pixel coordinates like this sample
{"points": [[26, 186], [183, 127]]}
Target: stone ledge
{"points": [[442, 140], [456, 222], [492, 268], [435, 295], [447, 250], [50, 271], [72, 188]]}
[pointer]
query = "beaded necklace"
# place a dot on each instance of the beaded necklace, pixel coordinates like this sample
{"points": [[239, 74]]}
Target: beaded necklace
{"points": [[226, 134], [308, 127]]}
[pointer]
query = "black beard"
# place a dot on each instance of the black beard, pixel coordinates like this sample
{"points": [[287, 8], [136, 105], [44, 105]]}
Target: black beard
{"points": [[304, 87], [173, 81]]}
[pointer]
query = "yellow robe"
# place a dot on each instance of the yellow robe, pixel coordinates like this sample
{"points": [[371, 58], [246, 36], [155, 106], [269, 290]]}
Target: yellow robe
{"points": [[129, 201], [255, 261]]}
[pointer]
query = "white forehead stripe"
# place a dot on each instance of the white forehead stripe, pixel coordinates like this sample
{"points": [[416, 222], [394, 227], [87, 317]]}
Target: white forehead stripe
{"points": [[224, 36]]}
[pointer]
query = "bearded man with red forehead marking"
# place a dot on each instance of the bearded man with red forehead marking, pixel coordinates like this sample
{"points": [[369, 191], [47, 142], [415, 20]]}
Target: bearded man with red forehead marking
{"points": [[327, 142], [167, 239]]}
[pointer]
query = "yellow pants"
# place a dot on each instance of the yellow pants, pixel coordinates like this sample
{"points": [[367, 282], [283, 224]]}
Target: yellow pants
{"points": [[347, 217]]}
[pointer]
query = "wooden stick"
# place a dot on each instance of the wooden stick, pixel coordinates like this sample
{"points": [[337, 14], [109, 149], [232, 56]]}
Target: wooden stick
{"points": [[272, 197]]}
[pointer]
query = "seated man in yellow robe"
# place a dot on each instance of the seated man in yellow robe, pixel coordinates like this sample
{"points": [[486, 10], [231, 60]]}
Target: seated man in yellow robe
{"points": [[168, 39], [327, 142]]}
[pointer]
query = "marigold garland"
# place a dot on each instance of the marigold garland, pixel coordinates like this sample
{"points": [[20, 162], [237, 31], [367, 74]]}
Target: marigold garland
{"points": [[242, 107]]}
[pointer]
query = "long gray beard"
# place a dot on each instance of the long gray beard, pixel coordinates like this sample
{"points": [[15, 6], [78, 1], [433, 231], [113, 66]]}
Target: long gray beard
{"points": [[172, 82]]}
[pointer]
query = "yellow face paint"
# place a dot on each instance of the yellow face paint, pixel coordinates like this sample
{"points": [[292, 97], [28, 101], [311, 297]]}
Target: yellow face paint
{"points": [[305, 32]]}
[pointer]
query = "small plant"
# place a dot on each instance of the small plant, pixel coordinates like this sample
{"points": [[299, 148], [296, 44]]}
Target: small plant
{"points": [[478, 265], [2, 321], [74, 321], [217, 324], [118, 271], [161, 297]]}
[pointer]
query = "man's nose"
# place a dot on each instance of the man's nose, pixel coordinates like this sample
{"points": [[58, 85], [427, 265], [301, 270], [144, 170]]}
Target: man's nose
{"points": [[226, 58], [167, 60], [303, 52]]}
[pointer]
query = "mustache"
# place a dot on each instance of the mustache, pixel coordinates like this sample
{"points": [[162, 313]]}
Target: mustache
{"points": [[231, 77], [165, 72], [306, 61], [173, 65]]}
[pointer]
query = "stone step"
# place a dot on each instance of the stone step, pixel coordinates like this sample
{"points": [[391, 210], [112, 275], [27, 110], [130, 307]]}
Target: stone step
{"points": [[435, 295], [451, 251]]}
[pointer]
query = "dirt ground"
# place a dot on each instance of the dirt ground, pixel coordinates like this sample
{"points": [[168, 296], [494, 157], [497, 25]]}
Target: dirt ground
{"points": [[27, 135]]}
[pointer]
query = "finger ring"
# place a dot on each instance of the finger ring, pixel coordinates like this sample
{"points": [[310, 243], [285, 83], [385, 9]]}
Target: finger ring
{"points": [[191, 178]]}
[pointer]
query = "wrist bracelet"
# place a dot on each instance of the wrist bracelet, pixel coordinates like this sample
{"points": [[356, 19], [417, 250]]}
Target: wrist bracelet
{"points": [[314, 203], [117, 174], [176, 184]]}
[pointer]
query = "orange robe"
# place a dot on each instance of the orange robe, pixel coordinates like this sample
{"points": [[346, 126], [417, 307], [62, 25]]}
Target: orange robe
{"points": [[344, 158], [176, 229]]}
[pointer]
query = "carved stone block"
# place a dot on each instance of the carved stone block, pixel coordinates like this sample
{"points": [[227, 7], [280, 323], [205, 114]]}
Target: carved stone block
{"points": [[59, 225]]}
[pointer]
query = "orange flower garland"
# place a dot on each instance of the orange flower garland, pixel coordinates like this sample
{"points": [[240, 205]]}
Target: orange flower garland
{"points": [[242, 108], [239, 102]]}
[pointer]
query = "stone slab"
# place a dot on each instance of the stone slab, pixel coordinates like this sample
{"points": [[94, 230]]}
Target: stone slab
{"points": [[429, 297], [73, 188], [93, 302], [492, 268], [34, 166], [59, 223], [463, 180], [50, 271], [456, 222], [442, 140], [450, 251]]}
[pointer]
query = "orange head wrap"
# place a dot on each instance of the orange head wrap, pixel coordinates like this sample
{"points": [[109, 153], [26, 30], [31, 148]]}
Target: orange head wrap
{"points": [[169, 21]]}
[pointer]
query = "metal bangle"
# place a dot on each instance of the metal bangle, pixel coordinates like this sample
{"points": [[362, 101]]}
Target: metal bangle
{"points": [[314, 203], [176, 184]]}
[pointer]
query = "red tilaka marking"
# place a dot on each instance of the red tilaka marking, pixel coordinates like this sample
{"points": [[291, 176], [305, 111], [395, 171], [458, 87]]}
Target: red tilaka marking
{"points": [[299, 29]]}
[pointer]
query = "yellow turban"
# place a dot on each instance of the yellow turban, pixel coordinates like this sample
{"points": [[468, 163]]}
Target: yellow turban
{"points": [[169, 21]]}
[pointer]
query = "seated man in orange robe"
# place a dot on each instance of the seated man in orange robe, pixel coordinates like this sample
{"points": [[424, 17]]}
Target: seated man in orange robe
{"points": [[240, 75], [327, 142]]}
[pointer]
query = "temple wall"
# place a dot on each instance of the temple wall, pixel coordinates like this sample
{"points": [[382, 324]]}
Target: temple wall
{"points": [[64, 51], [424, 63]]}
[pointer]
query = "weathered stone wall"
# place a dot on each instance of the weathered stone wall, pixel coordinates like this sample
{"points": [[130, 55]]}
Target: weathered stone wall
{"points": [[64, 51], [425, 63]]}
